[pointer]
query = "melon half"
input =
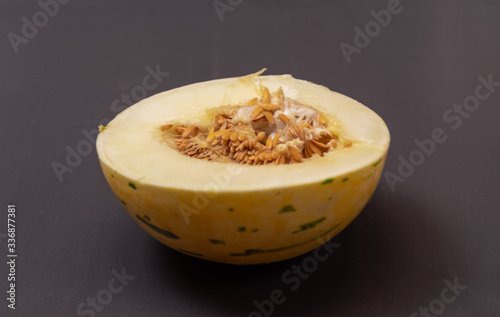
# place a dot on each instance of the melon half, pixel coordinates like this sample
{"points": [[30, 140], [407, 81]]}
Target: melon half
{"points": [[247, 170]]}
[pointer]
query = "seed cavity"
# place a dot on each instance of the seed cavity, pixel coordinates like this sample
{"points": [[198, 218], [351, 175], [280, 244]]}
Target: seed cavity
{"points": [[269, 129]]}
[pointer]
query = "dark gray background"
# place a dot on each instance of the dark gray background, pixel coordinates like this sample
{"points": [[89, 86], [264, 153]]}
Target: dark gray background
{"points": [[442, 223]]}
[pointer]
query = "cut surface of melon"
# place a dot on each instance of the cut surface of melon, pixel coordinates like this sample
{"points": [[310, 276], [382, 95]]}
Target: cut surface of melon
{"points": [[221, 210], [271, 129]]}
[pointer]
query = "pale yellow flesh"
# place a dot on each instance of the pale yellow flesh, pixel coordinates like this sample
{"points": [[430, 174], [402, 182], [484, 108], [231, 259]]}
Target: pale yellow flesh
{"points": [[207, 204]]}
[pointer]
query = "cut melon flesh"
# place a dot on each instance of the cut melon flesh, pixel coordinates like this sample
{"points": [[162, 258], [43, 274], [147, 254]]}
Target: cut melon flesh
{"points": [[236, 213]]}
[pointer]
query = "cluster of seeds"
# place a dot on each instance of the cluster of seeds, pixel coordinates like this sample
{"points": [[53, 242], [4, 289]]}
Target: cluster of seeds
{"points": [[269, 129]]}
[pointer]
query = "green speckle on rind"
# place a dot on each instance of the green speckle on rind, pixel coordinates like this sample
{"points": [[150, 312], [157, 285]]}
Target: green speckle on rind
{"points": [[327, 181], [287, 208], [309, 225], [249, 252], [260, 251], [189, 252], [345, 179], [166, 233], [147, 218], [132, 185], [255, 230], [231, 209], [377, 162], [216, 241], [241, 229], [124, 203]]}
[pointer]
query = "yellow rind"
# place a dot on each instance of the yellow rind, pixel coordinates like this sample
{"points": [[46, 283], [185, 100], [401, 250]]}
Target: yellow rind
{"points": [[338, 201]]}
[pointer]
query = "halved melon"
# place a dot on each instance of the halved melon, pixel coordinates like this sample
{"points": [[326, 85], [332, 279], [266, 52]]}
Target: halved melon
{"points": [[245, 170]]}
